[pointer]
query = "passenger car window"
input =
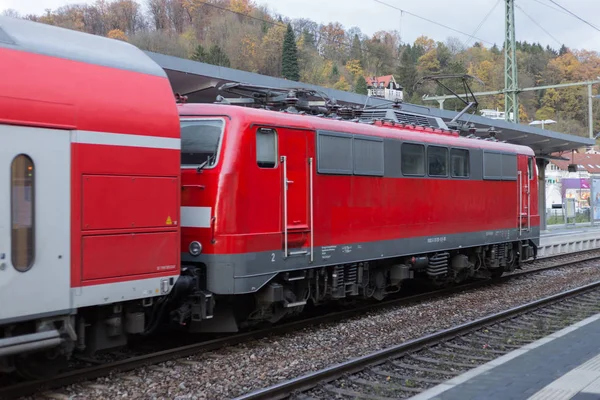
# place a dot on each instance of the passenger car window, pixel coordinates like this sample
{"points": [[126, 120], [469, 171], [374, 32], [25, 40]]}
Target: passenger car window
{"points": [[22, 212]]}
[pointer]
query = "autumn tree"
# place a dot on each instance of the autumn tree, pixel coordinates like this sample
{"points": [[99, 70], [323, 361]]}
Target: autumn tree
{"points": [[289, 60]]}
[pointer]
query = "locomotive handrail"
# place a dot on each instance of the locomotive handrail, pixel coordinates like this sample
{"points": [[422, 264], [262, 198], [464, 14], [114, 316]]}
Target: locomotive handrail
{"points": [[310, 194], [285, 224]]}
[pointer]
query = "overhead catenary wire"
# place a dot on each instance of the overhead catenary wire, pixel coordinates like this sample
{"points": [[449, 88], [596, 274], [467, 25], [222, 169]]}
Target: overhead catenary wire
{"points": [[539, 26], [431, 21], [550, 7], [481, 23], [575, 15]]}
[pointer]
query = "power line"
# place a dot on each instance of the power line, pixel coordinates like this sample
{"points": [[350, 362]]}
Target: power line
{"points": [[430, 21], [541, 27], [481, 23], [576, 16], [349, 45], [550, 7]]}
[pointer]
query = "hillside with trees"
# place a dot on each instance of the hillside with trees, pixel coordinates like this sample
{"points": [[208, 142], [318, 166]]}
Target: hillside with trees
{"points": [[239, 34]]}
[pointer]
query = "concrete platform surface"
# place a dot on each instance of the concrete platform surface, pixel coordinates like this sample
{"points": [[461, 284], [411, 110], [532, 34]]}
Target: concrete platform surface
{"points": [[568, 240], [564, 365]]}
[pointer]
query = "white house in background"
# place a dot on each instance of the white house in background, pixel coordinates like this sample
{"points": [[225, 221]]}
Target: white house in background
{"points": [[384, 87], [493, 114]]}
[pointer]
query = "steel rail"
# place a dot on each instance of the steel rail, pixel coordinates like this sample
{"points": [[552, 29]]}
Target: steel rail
{"points": [[313, 379], [79, 375]]}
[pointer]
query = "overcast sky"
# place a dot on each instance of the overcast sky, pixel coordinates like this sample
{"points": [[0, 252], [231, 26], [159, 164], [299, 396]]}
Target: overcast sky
{"points": [[557, 26]]}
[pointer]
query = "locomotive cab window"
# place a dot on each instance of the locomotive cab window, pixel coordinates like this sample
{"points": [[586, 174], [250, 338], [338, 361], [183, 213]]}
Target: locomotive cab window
{"points": [[200, 142], [460, 163], [266, 148], [22, 213], [413, 159], [437, 161]]}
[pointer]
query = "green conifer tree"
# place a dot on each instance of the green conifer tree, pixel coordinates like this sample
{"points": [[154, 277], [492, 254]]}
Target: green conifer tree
{"points": [[289, 62], [361, 85]]}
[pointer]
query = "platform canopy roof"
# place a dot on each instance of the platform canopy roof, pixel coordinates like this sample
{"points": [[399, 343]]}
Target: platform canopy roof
{"points": [[200, 82]]}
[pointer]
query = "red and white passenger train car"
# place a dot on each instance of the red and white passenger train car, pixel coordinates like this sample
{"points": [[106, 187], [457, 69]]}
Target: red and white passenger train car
{"points": [[124, 212], [90, 171]]}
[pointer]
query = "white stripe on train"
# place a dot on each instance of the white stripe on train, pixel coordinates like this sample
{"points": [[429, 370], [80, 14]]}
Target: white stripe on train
{"points": [[195, 217], [122, 139]]}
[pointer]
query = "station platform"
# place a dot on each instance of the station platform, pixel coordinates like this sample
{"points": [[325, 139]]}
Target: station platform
{"points": [[562, 366], [561, 239]]}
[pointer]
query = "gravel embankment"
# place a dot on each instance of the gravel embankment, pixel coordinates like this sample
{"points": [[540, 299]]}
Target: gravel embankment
{"points": [[230, 372]]}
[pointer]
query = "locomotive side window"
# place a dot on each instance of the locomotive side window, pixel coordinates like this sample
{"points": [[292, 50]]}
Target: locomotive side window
{"points": [[22, 212], [200, 142], [335, 153], [413, 159], [368, 156], [437, 160], [459, 163], [266, 148], [530, 167]]}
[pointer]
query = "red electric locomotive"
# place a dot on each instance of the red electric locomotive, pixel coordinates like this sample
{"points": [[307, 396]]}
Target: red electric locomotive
{"points": [[279, 209], [125, 212]]}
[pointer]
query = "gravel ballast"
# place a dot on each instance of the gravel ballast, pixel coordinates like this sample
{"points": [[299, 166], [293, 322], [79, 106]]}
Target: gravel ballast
{"points": [[230, 372]]}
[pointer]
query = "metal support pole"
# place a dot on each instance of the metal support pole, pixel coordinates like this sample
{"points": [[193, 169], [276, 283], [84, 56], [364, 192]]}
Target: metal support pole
{"points": [[541, 164], [441, 103], [590, 112], [511, 85]]}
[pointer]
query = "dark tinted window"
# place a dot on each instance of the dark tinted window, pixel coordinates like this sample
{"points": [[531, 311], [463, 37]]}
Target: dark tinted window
{"points": [[266, 148], [200, 141], [335, 154], [530, 167], [459, 160], [413, 159], [437, 159], [22, 213]]}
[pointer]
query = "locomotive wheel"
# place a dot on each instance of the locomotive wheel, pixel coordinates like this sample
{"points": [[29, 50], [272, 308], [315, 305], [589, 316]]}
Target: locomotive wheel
{"points": [[39, 365]]}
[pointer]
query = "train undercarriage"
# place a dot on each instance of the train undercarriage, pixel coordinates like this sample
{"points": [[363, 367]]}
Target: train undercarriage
{"points": [[290, 293], [192, 309]]}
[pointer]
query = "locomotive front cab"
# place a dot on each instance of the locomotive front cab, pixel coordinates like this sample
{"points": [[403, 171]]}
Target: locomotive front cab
{"points": [[201, 142], [202, 139]]}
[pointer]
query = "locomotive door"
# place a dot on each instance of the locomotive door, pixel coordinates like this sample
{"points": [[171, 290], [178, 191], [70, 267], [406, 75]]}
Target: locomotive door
{"points": [[35, 221], [296, 175], [525, 175]]}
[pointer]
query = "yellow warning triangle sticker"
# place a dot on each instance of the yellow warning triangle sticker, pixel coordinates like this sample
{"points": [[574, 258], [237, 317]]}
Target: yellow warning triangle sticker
{"points": [[169, 222]]}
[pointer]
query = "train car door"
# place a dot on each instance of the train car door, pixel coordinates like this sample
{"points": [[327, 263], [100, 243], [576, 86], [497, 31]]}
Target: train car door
{"points": [[296, 183], [525, 174], [35, 222]]}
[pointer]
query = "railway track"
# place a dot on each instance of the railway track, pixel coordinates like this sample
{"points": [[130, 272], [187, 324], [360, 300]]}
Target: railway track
{"points": [[130, 363], [410, 368]]}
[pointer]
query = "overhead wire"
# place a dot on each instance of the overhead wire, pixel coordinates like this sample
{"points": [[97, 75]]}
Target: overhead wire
{"points": [[429, 20], [349, 45], [575, 15], [481, 24], [539, 26], [550, 7]]}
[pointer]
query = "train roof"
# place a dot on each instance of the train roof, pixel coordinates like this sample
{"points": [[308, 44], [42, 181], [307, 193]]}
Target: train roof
{"points": [[427, 135], [64, 79], [49, 40]]}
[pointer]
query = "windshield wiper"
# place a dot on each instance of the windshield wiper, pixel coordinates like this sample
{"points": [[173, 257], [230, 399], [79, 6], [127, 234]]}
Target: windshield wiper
{"points": [[205, 163]]}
